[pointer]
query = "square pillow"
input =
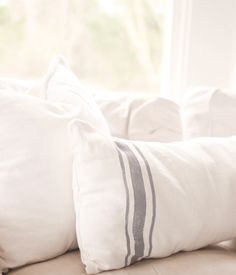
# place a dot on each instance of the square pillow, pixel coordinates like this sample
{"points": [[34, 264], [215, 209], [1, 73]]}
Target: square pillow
{"points": [[137, 200], [37, 220], [209, 112]]}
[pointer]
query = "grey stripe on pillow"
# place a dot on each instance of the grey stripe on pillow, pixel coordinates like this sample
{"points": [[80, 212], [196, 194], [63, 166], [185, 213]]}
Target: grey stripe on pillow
{"points": [[153, 197], [127, 206], [139, 200]]}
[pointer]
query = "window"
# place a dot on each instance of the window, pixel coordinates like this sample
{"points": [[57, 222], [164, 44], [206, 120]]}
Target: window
{"points": [[111, 44]]}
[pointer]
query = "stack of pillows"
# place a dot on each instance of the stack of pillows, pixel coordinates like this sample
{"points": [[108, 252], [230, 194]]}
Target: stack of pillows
{"points": [[111, 174]]}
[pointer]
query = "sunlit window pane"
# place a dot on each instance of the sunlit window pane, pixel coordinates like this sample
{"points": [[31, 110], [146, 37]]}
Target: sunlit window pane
{"points": [[111, 44]]}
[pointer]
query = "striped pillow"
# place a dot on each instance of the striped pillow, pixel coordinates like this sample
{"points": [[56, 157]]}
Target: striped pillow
{"points": [[137, 200]]}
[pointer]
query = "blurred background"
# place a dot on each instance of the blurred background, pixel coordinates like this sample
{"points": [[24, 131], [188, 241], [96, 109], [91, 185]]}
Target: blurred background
{"points": [[110, 44]]}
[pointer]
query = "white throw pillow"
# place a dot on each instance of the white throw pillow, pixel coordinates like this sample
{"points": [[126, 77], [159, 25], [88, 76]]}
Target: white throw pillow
{"points": [[37, 220], [141, 117], [209, 112], [61, 85], [36, 213], [137, 200]]}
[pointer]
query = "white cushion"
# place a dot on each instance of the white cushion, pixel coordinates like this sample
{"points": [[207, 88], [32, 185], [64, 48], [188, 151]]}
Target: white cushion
{"points": [[209, 112], [61, 85], [138, 200], [141, 117], [37, 220]]}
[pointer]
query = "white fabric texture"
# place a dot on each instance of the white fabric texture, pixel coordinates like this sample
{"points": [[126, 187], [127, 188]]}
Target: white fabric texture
{"points": [[32, 88], [209, 112], [16, 85], [62, 86], [37, 215], [37, 220], [136, 200], [141, 117]]}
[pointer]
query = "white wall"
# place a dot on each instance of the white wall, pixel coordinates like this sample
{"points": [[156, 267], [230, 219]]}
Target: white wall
{"points": [[211, 43], [202, 45]]}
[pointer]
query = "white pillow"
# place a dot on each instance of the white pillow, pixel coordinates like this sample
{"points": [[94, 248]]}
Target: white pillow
{"points": [[138, 200], [209, 112], [37, 218], [62, 86], [141, 117]]}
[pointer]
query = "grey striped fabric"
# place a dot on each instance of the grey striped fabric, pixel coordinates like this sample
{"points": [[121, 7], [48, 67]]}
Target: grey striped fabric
{"points": [[153, 198], [139, 215], [127, 207]]}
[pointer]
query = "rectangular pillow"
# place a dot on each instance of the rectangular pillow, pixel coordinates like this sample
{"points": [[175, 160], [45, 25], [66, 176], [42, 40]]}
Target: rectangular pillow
{"points": [[37, 220], [137, 200], [209, 112]]}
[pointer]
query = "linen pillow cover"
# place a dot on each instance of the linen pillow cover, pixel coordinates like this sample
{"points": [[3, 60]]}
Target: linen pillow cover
{"points": [[141, 117], [36, 212], [37, 220], [137, 200], [209, 112], [62, 86]]}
